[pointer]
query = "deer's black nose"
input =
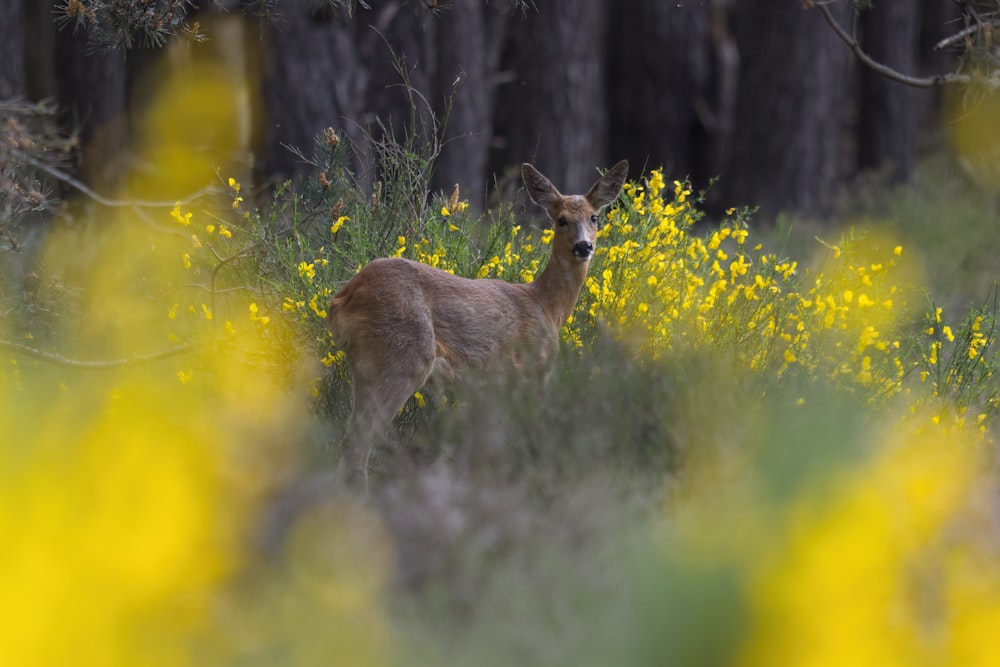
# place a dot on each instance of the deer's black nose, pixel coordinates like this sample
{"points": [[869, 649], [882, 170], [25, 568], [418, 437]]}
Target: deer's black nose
{"points": [[583, 249]]}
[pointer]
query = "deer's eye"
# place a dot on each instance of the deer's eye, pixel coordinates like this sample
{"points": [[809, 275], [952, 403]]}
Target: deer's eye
{"points": [[562, 221], [593, 219]]}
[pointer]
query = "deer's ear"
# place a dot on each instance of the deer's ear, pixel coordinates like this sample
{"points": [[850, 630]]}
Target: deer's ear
{"points": [[540, 189], [607, 187]]}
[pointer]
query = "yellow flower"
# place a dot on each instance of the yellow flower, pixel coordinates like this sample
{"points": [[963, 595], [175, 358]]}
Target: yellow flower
{"points": [[264, 320], [307, 271], [655, 182], [314, 307], [976, 344], [461, 206], [186, 258], [184, 219], [235, 186], [338, 224]]}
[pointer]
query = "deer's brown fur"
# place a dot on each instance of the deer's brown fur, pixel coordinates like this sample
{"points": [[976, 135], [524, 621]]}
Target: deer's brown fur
{"points": [[400, 321]]}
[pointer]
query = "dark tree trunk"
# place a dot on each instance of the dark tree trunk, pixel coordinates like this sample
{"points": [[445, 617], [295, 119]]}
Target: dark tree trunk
{"points": [[889, 113], [788, 148], [938, 20], [469, 40], [12, 75], [554, 111], [313, 79], [660, 97], [394, 40], [39, 49], [90, 89], [92, 94], [354, 74]]}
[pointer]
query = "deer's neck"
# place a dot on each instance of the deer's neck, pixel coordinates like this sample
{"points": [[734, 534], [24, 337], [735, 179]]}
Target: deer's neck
{"points": [[558, 287]]}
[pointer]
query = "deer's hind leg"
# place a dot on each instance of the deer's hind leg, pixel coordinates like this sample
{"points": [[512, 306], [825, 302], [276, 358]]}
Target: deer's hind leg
{"points": [[383, 381]]}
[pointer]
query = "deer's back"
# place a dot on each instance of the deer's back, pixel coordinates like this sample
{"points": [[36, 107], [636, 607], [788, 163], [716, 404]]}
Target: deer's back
{"points": [[469, 322]]}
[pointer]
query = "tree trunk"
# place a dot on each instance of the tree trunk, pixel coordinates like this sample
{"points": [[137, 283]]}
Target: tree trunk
{"points": [[788, 148], [313, 79], [553, 113], [889, 114], [469, 40], [12, 76], [92, 94], [660, 98], [938, 20], [39, 49], [395, 40]]}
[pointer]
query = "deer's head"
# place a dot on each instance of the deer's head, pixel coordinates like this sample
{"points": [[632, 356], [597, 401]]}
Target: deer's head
{"points": [[575, 218]]}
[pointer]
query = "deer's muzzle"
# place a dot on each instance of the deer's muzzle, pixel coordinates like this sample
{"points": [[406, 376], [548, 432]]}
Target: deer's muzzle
{"points": [[583, 249]]}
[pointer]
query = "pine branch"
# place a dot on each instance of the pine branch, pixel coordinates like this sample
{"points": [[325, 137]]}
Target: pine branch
{"points": [[850, 39], [967, 32]]}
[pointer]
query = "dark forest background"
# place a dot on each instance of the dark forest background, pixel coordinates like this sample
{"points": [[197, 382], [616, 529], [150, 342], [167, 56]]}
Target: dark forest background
{"points": [[760, 93]]}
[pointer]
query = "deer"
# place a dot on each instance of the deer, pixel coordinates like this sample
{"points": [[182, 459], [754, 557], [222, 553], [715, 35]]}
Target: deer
{"points": [[399, 322]]}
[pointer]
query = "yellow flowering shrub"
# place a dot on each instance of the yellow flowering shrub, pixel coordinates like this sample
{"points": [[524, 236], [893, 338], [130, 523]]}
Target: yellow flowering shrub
{"points": [[667, 288], [134, 462], [882, 556], [885, 558]]}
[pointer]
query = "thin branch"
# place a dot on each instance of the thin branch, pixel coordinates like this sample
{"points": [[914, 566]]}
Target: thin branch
{"points": [[108, 364], [962, 34], [885, 70], [226, 290], [84, 189]]}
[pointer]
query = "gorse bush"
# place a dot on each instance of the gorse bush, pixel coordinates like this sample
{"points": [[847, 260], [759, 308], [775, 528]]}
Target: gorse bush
{"points": [[849, 319]]}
